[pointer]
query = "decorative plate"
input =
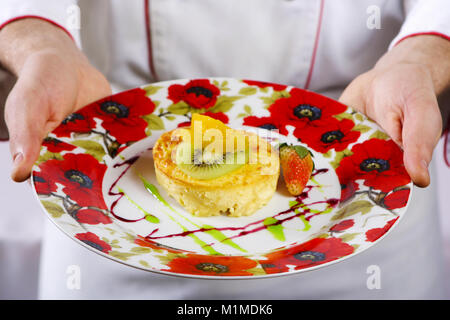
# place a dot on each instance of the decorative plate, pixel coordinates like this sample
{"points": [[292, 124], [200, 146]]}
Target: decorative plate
{"points": [[95, 180]]}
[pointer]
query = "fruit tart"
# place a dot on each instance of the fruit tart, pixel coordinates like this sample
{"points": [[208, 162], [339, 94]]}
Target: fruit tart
{"points": [[211, 169]]}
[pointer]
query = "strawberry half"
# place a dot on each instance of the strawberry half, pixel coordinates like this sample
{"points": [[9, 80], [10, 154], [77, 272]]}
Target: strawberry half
{"points": [[297, 166]]}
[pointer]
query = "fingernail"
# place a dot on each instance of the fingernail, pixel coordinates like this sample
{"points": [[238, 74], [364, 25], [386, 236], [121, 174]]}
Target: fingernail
{"points": [[17, 159]]}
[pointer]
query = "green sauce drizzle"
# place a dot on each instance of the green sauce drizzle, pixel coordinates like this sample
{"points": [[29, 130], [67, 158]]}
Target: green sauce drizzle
{"points": [[148, 216], [154, 191], [275, 228]]}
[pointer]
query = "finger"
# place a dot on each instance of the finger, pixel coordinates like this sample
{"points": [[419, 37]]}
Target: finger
{"points": [[25, 119], [422, 129], [353, 95]]}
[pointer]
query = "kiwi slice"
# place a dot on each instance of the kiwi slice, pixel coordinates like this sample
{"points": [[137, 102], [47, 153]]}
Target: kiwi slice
{"points": [[208, 165]]}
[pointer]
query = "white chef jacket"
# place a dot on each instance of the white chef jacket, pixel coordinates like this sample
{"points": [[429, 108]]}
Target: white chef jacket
{"points": [[320, 45]]}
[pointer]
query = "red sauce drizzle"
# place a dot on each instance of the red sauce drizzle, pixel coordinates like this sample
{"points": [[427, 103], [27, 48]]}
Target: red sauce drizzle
{"points": [[128, 162], [301, 206]]}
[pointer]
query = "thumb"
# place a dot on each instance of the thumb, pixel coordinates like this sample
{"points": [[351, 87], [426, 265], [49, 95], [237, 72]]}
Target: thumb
{"points": [[26, 120], [353, 95], [422, 128]]}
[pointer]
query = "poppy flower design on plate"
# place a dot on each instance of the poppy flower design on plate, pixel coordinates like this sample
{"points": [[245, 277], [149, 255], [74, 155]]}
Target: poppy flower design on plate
{"points": [[263, 84], [43, 184], [311, 253], [212, 265], [56, 145], [378, 162], [376, 233], [81, 175], [122, 115], [333, 134], [343, 225], [91, 216], [268, 123], [79, 122], [304, 108], [92, 240], [397, 199], [198, 94]]}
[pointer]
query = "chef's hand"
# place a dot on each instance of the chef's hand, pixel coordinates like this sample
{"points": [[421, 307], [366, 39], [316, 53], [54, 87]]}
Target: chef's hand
{"points": [[54, 79], [400, 94]]}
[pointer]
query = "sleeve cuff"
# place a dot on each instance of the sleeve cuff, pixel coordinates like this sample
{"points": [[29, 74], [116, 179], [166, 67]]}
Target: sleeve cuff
{"points": [[60, 14], [37, 17], [397, 40], [425, 17]]}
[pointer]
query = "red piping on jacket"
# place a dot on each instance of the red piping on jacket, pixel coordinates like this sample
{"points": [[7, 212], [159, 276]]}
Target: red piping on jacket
{"points": [[316, 45], [148, 33], [430, 33], [36, 17]]}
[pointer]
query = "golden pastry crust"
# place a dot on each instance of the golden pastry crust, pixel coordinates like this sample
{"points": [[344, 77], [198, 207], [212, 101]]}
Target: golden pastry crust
{"points": [[239, 193]]}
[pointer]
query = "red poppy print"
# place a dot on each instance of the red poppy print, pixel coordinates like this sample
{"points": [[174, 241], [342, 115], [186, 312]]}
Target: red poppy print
{"points": [[79, 122], [122, 113], [198, 94], [212, 265], [94, 241], [376, 233], [348, 190], [378, 162], [396, 199], [263, 84], [342, 226], [268, 123], [91, 216], [314, 252], [81, 175], [305, 108], [333, 134], [43, 184], [347, 181], [56, 146]]}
